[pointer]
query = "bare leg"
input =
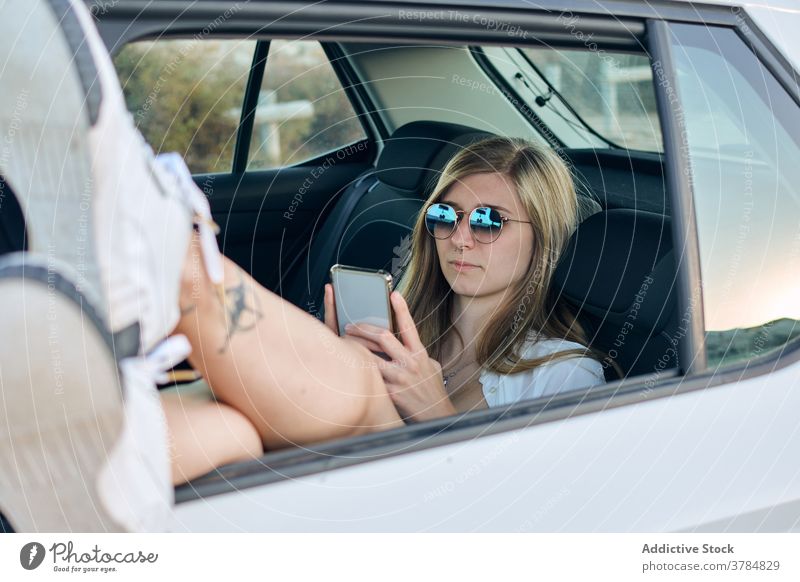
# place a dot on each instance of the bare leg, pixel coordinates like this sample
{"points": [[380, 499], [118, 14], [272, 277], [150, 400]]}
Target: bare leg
{"points": [[286, 372], [204, 434]]}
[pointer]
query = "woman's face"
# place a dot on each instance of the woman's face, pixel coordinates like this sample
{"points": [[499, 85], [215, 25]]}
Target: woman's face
{"points": [[478, 270]]}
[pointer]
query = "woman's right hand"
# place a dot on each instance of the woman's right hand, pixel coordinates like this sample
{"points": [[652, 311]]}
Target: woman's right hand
{"points": [[413, 379], [330, 309]]}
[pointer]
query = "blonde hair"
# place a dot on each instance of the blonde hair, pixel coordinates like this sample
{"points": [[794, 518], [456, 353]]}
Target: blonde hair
{"points": [[545, 188]]}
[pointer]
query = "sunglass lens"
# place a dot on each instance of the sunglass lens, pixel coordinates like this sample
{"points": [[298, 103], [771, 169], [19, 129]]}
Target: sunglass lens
{"points": [[485, 224], [440, 220]]}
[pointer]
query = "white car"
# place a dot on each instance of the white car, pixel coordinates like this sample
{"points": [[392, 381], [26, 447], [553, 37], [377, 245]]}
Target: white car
{"points": [[315, 133]]}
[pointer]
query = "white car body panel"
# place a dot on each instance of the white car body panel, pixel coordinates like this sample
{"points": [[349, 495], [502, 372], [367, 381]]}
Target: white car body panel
{"points": [[667, 464], [781, 26], [779, 20]]}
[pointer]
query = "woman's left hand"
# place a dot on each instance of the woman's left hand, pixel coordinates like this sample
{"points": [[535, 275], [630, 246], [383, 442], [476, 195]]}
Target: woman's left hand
{"points": [[413, 379]]}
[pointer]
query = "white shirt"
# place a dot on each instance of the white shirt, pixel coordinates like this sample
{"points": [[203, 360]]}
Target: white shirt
{"points": [[551, 378]]}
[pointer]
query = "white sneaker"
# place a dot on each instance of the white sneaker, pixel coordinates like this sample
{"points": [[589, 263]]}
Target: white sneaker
{"points": [[92, 193], [135, 485], [118, 221], [72, 457]]}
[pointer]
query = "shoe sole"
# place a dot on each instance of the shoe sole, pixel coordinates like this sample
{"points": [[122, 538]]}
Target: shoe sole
{"points": [[50, 100], [61, 407]]}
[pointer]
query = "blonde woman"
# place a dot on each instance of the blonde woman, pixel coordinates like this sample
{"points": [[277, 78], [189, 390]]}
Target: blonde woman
{"points": [[478, 326]]}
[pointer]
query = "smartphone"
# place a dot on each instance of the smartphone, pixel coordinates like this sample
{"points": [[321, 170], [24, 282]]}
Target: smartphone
{"points": [[362, 296]]}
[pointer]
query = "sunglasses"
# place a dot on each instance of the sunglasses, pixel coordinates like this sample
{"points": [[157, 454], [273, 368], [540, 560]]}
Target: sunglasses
{"points": [[485, 223]]}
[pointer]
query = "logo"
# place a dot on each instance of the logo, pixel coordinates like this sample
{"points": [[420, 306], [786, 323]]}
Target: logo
{"points": [[31, 555]]}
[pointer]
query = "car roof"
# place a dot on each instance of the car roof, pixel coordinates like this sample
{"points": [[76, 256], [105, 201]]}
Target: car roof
{"points": [[779, 20], [781, 4]]}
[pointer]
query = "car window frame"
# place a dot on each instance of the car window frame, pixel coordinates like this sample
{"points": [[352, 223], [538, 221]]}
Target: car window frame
{"points": [[244, 135], [346, 452], [620, 393]]}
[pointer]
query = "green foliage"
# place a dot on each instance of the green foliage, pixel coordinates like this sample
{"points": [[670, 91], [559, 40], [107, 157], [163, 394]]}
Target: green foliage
{"points": [[187, 95], [739, 345]]}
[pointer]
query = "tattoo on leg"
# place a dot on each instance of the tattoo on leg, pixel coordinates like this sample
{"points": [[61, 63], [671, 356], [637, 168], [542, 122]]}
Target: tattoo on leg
{"points": [[242, 309]]}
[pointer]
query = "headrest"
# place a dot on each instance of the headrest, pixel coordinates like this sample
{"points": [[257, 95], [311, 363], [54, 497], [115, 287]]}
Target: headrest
{"points": [[416, 153], [619, 262]]}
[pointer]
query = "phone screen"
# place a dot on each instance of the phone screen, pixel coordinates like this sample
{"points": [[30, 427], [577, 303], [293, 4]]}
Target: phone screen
{"points": [[361, 297]]}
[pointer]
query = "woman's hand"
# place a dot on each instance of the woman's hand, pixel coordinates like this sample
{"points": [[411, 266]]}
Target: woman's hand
{"points": [[413, 379]]}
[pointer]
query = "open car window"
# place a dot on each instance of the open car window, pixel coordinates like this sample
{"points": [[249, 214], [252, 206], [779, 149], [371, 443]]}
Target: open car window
{"points": [[599, 105]]}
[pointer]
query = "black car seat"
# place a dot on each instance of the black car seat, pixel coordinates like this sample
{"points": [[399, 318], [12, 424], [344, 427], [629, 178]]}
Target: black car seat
{"points": [[370, 225], [618, 273]]}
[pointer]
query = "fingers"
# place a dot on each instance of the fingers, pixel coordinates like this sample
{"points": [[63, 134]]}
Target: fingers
{"points": [[393, 376], [405, 323], [383, 338], [330, 309]]}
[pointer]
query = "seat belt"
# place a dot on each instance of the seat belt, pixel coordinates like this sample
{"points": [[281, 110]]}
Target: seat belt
{"points": [[329, 238]]}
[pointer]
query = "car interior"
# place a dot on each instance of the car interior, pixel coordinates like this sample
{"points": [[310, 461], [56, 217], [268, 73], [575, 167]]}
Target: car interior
{"points": [[416, 112], [412, 107]]}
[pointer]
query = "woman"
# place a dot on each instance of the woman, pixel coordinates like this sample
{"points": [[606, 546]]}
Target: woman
{"points": [[478, 326]]}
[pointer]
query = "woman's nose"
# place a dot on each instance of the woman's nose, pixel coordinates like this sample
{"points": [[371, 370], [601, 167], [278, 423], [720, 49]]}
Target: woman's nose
{"points": [[462, 237]]}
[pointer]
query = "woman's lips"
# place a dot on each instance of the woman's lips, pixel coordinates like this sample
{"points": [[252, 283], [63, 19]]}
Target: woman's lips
{"points": [[463, 266]]}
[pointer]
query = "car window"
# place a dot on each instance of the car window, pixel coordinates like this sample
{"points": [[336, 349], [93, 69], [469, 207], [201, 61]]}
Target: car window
{"points": [[588, 98], [187, 96], [303, 111], [742, 132]]}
